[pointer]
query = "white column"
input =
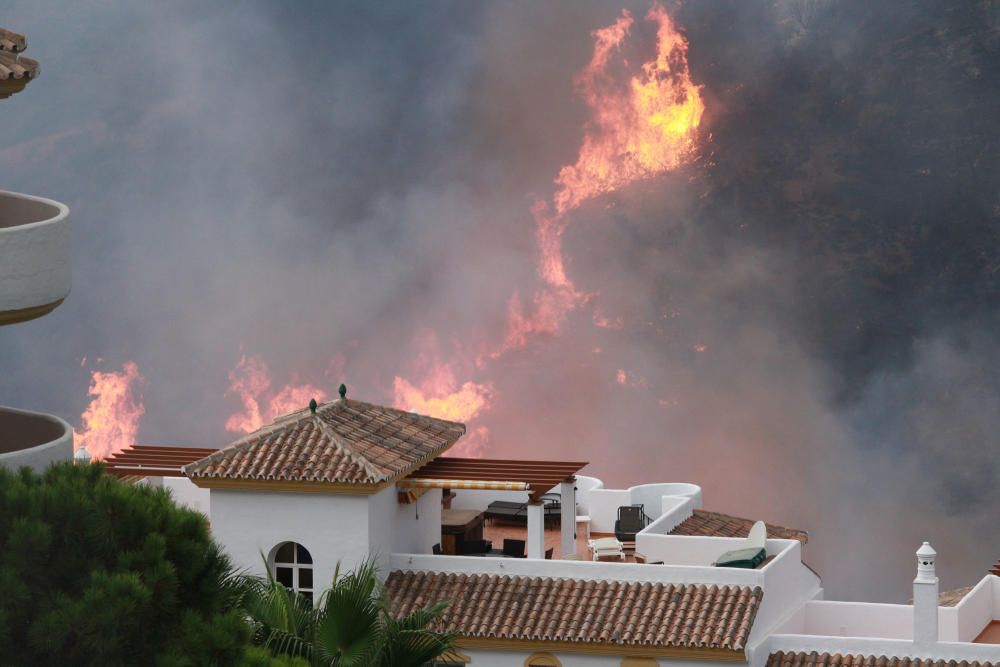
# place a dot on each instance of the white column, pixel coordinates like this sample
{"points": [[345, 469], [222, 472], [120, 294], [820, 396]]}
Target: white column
{"points": [[536, 530], [567, 517], [925, 598]]}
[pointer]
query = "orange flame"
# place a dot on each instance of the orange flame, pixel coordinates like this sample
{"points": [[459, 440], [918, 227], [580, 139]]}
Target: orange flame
{"points": [[111, 421], [251, 382], [644, 129], [438, 394]]}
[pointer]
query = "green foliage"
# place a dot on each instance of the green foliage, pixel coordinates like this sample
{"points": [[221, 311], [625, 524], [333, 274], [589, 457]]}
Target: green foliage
{"points": [[350, 626], [97, 572]]}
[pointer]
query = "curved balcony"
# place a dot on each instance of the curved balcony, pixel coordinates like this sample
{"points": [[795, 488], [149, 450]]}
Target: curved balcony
{"points": [[34, 256], [33, 439]]}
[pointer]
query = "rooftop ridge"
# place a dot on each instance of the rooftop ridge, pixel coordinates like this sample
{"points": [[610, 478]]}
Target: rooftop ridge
{"points": [[862, 659], [374, 473]]}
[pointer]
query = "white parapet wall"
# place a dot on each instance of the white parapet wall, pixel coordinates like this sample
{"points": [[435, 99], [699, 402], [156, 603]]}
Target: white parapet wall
{"points": [[35, 274], [587, 570], [188, 495], [33, 439]]}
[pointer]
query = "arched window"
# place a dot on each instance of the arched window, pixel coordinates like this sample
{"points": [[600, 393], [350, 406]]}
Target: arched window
{"points": [[542, 660], [292, 564]]}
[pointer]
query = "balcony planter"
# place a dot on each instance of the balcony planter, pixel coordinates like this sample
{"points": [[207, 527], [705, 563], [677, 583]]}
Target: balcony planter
{"points": [[34, 256]]}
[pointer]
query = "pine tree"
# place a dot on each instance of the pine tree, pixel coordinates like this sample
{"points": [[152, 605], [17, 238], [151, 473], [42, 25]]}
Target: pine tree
{"points": [[94, 571]]}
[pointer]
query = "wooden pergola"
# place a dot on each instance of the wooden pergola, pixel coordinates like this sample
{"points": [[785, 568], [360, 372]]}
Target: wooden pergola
{"points": [[153, 460], [535, 477]]}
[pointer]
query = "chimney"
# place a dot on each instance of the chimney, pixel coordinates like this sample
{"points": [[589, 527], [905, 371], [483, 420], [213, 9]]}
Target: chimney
{"points": [[925, 598]]}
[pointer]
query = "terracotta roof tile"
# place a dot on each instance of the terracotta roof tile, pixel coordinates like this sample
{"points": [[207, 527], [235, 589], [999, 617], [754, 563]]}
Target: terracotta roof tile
{"points": [[575, 610], [346, 441], [12, 65], [12, 41], [814, 659], [715, 524]]}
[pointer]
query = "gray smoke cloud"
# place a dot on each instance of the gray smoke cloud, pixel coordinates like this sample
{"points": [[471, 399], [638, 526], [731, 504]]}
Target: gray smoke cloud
{"points": [[807, 310]]}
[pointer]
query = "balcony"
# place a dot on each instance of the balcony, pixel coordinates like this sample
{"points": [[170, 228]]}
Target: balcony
{"points": [[34, 256], [33, 439]]}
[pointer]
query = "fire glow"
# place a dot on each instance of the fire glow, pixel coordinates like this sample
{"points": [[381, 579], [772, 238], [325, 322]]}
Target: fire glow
{"points": [[636, 130], [251, 382], [111, 421]]}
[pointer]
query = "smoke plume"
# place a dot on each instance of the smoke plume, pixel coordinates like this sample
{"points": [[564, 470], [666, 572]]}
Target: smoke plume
{"points": [[799, 316]]}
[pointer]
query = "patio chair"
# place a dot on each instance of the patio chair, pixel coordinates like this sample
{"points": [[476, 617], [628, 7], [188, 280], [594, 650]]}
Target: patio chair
{"points": [[549, 552], [750, 554], [436, 549], [631, 519], [607, 547], [475, 547]]}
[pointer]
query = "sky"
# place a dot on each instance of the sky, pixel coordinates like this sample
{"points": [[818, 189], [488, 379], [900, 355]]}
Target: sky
{"points": [[801, 318]]}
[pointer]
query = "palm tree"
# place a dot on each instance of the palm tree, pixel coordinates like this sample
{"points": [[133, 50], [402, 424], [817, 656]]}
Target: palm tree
{"points": [[350, 626]]}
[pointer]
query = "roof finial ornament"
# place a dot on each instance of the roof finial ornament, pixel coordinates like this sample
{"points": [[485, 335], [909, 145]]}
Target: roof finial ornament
{"points": [[342, 391], [313, 405]]}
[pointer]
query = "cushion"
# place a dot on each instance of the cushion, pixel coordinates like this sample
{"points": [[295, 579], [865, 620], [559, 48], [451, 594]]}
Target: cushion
{"points": [[745, 558]]}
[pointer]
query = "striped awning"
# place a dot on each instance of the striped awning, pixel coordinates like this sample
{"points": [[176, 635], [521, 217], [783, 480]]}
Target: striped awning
{"points": [[535, 477], [462, 484]]}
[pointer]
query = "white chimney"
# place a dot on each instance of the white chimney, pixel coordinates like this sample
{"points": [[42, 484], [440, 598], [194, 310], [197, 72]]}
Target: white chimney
{"points": [[925, 598], [81, 456]]}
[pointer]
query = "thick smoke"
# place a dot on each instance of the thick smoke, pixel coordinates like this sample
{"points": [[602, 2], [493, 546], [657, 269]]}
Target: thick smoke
{"points": [[806, 312]]}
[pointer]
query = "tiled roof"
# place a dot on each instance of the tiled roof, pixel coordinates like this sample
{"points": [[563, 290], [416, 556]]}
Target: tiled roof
{"points": [[345, 442], [814, 659], [618, 613], [996, 569], [952, 598], [714, 524], [13, 66], [12, 41]]}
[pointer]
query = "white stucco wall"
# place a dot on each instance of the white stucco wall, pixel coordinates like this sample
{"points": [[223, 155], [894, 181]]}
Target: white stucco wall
{"points": [[34, 251], [187, 494], [332, 527], [402, 528]]}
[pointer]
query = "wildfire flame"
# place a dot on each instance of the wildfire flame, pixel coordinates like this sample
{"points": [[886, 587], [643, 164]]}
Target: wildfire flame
{"points": [[251, 382], [111, 421], [643, 129], [637, 130]]}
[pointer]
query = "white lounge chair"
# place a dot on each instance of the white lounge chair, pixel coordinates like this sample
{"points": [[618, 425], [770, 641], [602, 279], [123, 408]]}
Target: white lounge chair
{"points": [[607, 547]]}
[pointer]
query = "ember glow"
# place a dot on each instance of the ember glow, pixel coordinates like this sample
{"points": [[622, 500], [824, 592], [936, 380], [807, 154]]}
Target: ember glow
{"points": [[251, 382], [111, 421]]}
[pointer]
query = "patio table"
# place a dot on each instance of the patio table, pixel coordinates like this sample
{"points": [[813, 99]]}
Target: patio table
{"points": [[457, 526]]}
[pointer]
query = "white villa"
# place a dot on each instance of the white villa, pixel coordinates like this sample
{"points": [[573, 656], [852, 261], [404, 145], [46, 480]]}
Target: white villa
{"points": [[561, 583]]}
